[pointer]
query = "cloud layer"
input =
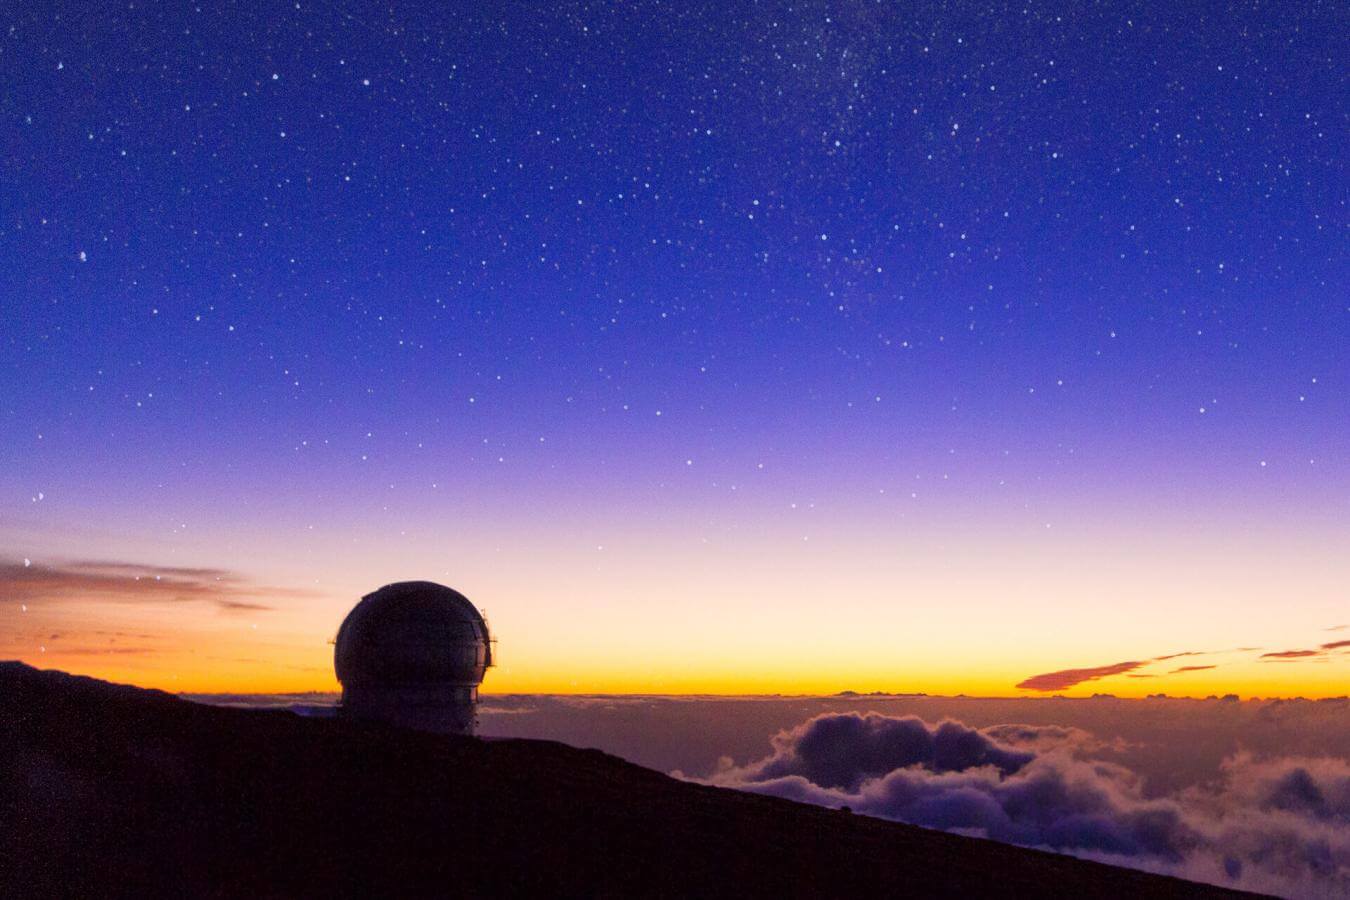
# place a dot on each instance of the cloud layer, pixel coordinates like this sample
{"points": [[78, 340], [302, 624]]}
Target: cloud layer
{"points": [[1276, 825]]}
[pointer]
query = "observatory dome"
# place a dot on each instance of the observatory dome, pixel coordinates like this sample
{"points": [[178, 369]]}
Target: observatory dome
{"points": [[412, 633], [412, 654]]}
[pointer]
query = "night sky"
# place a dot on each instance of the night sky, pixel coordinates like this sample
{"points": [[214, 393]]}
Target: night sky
{"points": [[744, 346]]}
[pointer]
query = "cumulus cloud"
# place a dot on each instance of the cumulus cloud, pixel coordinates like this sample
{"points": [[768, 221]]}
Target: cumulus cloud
{"points": [[841, 751], [1042, 738], [1275, 825]]}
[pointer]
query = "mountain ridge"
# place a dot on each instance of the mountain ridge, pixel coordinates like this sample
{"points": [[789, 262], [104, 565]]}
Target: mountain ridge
{"points": [[113, 790]]}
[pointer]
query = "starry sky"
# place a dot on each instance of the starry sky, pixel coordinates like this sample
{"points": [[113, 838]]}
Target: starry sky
{"points": [[708, 347]]}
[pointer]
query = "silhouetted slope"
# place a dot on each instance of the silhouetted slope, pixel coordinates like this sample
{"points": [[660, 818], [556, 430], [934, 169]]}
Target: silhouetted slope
{"points": [[107, 789]]}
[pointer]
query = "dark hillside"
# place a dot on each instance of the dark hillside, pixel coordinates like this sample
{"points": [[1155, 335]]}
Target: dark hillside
{"points": [[110, 790]]}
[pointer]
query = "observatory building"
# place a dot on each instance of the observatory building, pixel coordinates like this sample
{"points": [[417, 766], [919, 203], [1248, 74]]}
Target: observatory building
{"points": [[413, 654]]}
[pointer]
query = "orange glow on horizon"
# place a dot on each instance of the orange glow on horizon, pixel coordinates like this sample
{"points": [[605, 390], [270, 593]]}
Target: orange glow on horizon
{"points": [[975, 608], [309, 669]]}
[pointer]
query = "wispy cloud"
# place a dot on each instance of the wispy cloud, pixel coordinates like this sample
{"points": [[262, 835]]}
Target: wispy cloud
{"points": [[242, 605], [107, 651], [128, 582], [1067, 678], [141, 570], [1323, 650]]}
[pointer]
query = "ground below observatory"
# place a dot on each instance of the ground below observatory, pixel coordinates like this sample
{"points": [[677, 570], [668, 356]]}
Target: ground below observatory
{"points": [[111, 790]]}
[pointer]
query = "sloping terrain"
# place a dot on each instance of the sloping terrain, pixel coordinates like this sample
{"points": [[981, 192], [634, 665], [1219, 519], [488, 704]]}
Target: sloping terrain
{"points": [[112, 790]]}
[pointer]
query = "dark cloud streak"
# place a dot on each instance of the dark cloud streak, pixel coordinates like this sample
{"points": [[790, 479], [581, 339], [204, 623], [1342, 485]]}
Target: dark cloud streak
{"points": [[1067, 678], [126, 582]]}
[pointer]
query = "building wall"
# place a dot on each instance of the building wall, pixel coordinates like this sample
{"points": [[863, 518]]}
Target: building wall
{"points": [[438, 708]]}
